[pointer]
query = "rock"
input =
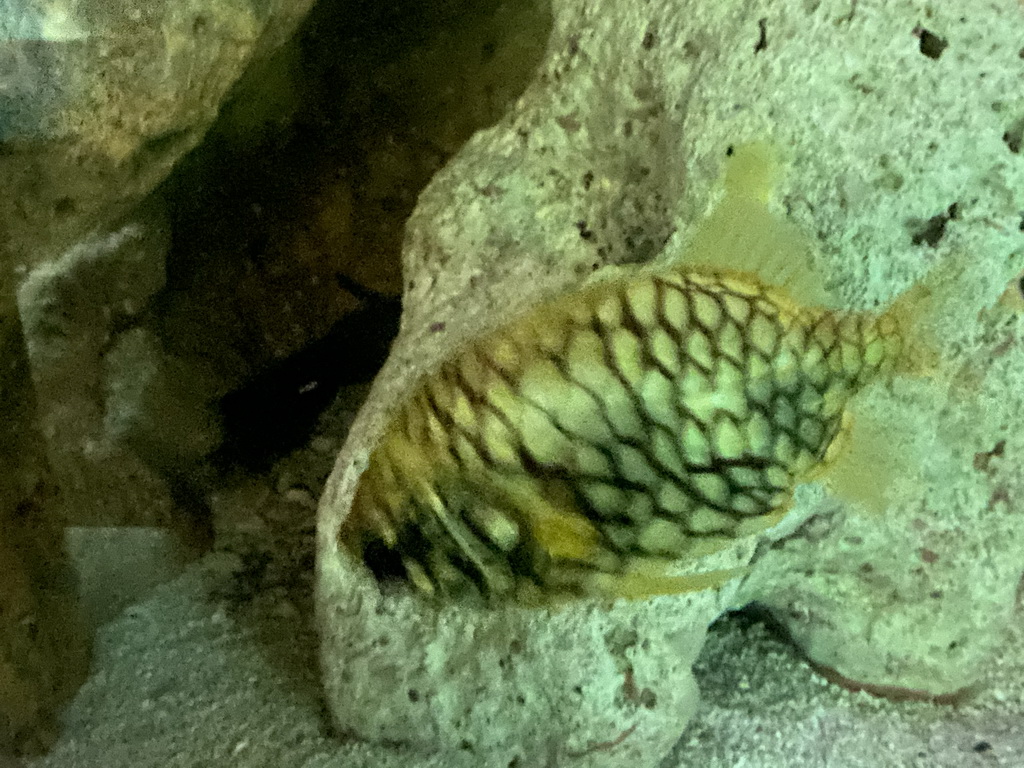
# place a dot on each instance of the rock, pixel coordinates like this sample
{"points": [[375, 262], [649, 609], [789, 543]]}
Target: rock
{"points": [[280, 259], [118, 566], [610, 158], [44, 646], [125, 419], [101, 98], [70, 310], [160, 406], [98, 100]]}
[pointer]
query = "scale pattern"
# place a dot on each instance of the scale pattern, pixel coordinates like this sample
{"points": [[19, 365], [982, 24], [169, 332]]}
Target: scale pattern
{"points": [[636, 423]]}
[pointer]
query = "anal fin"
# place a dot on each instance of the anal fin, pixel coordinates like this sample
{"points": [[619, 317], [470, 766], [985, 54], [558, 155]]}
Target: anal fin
{"points": [[638, 585]]}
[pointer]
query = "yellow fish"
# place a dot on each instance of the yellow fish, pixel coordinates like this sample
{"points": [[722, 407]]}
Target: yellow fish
{"points": [[593, 445]]}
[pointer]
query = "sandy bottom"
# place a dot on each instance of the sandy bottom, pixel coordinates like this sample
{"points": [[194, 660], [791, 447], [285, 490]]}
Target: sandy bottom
{"points": [[205, 672]]}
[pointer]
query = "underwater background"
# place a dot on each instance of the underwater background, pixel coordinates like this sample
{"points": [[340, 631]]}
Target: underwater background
{"points": [[236, 235]]}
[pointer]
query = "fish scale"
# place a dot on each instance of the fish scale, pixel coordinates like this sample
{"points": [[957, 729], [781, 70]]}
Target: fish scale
{"points": [[591, 445]]}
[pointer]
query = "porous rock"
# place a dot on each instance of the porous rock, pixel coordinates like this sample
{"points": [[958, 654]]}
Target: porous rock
{"points": [[98, 100], [44, 647], [898, 161], [101, 98], [70, 309]]}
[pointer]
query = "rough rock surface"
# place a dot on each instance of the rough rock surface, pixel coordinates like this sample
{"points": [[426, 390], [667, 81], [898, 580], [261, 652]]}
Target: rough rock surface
{"points": [[44, 649], [70, 309], [279, 233], [200, 674], [98, 100], [44, 646], [101, 98], [900, 122]]}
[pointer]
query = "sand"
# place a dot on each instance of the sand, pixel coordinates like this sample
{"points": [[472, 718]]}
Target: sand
{"points": [[206, 672]]}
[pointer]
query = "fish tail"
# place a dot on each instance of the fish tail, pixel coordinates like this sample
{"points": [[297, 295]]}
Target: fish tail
{"points": [[866, 460], [914, 318]]}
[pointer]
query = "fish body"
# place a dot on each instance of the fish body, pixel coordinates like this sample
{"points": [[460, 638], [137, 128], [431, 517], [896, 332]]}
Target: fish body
{"points": [[586, 447], [594, 444]]}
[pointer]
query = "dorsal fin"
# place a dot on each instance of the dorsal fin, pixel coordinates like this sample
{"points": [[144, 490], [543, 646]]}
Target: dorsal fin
{"points": [[743, 235]]}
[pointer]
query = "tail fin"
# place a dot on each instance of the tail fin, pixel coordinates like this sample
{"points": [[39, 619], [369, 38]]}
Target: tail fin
{"points": [[915, 315], [867, 461]]}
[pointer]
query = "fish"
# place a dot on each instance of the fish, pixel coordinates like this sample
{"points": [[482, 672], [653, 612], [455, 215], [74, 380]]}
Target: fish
{"points": [[613, 435]]}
